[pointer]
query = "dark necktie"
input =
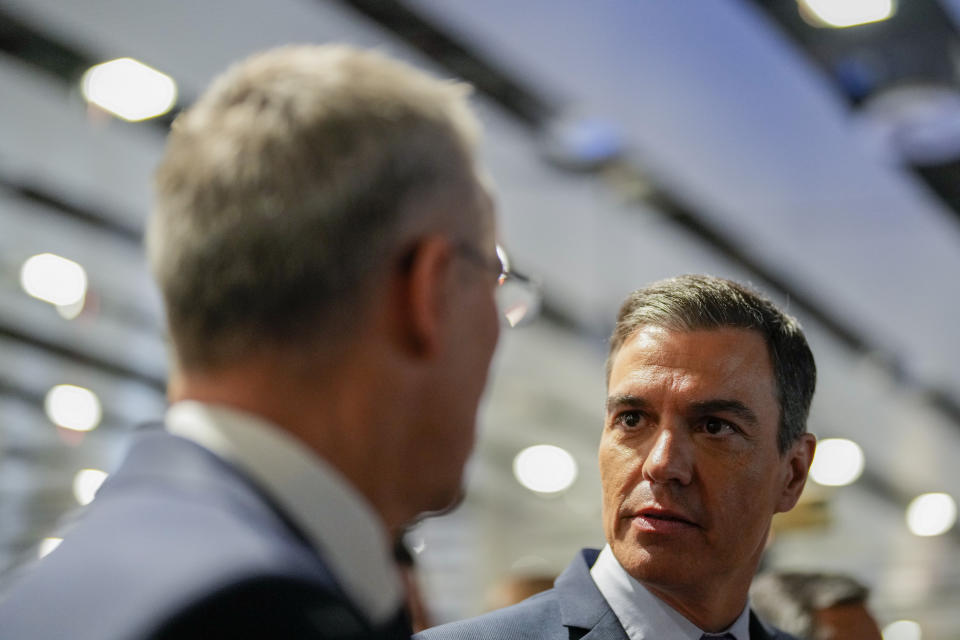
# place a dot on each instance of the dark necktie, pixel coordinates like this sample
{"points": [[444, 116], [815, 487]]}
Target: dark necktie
{"points": [[717, 636]]}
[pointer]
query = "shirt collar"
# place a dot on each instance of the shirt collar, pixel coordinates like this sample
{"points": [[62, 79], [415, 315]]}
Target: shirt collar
{"points": [[643, 615], [333, 515]]}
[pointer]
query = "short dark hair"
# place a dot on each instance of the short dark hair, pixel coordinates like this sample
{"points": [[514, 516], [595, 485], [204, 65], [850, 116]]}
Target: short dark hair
{"points": [[288, 185], [789, 599], [697, 302]]}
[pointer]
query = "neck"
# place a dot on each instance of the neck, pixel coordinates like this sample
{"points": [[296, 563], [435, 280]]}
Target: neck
{"points": [[712, 612], [339, 412]]}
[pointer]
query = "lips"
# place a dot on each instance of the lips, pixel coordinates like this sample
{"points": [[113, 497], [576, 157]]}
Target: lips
{"points": [[658, 520]]}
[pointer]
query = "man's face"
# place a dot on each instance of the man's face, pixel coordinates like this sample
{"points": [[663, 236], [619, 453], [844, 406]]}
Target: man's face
{"points": [[689, 464], [474, 329]]}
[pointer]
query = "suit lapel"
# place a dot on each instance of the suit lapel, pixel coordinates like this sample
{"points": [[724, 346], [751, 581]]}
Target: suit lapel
{"points": [[608, 627], [583, 609]]}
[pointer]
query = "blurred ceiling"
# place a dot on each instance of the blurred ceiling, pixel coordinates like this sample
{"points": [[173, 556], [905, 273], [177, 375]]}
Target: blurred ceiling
{"points": [[629, 141]]}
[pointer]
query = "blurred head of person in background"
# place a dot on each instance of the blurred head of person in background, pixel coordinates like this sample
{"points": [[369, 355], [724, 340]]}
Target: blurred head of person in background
{"points": [[815, 606], [325, 247], [317, 219]]}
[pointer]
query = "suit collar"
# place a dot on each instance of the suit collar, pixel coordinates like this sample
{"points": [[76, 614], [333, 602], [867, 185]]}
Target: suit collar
{"points": [[336, 518], [583, 607], [641, 613]]}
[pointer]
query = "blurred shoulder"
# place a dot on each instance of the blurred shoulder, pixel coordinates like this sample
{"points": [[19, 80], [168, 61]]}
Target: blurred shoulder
{"points": [[266, 607]]}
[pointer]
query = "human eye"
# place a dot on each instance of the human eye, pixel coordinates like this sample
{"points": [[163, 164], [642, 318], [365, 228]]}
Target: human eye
{"points": [[714, 426], [630, 419]]}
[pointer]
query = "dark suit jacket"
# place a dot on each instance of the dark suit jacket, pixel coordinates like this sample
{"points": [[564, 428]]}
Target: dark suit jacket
{"points": [[573, 609], [178, 544]]}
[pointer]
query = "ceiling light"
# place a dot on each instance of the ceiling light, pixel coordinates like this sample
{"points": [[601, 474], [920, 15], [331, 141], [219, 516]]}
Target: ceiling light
{"points": [[129, 89], [71, 311], [902, 630], [581, 143], [918, 122], [54, 279], [845, 13], [931, 514], [837, 462], [86, 483], [73, 407], [544, 468], [47, 545]]}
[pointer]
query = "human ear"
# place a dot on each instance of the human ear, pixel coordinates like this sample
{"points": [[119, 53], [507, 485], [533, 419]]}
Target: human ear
{"points": [[427, 280], [797, 461]]}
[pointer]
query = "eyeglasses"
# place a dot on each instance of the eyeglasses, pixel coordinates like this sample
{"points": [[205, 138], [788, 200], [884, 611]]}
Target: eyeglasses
{"points": [[518, 296]]}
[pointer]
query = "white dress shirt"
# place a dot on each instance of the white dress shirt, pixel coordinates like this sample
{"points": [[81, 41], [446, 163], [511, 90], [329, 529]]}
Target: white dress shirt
{"points": [[643, 615], [331, 513]]}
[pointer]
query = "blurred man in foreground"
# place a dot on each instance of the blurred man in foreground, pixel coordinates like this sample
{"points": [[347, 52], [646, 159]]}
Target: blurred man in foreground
{"points": [[815, 606], [326, 254], [708, 390]]}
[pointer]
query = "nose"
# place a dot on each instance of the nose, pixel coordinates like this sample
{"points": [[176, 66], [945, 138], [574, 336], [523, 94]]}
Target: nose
{"points": [[670, 458]]}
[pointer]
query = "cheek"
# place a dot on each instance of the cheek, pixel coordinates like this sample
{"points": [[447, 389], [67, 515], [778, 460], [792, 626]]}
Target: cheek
{"points": [[489, 333], [479, 338], [617, 473], [494, 331], [608, 466], [617, 458], [743, 501]]}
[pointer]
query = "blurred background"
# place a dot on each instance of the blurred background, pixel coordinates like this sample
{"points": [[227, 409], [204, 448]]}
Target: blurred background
{"points": [[810, 148]]}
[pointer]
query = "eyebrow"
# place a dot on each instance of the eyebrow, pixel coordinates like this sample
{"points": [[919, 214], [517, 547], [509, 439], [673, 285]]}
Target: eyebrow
{"points": [[706, 407], [735, 407], [626, 400]]}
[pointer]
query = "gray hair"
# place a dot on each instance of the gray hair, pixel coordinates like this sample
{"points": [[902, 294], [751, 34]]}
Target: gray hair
{"points": [[288, 185], [697, 302], [788, 600]]}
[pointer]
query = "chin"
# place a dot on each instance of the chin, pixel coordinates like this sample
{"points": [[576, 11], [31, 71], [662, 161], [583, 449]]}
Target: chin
{"points": [[648, 566], [443, 502]]}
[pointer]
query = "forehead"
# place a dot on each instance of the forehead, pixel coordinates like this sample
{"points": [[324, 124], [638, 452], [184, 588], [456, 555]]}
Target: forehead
{"points": [[723, 363]]}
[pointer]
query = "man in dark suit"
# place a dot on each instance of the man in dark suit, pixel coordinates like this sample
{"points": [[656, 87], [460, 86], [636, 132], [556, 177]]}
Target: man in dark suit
{"points": [[708, 390], [326, 252]]}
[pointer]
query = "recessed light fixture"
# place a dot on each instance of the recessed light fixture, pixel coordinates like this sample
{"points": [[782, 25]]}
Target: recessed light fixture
{"points": [[845, 13], [837, 462], [73, 407], [544, 468], [129, 89]]}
